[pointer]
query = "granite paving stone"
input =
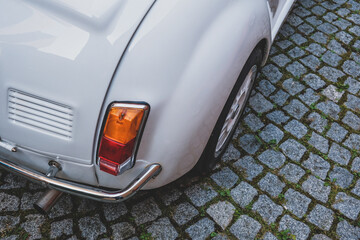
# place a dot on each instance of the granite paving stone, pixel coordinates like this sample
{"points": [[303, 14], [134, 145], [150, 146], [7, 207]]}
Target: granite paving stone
{"points": [[344, 37], [296, 202], [309, 97], [281, 60], [332, 93], [277, 117], [356, 165], [317, 165], [317, 122], [272, 73], [317, 50], [122, 230], [273, 159], [270, 133], [293, 87], [351, 68], [331, 74], [314, 81], [321, 217], [296, 109], [271, 184], [353, 102], [339, 154], [225, 178], [269, 236], [266, 88], [8, 202], [248, 167], [319, 142], [296, 128], [311, 62], [8, 223], [356, 189], [60, 228], [354, 85], [347, 231], [33, 223], [316, 188], [231, 153], [163, 229], [200, 194], [296, 52], [341, 177], [336, 132], [249, 143], [243, 194], [353, 141], [293, 149], [146, 211], [296, 69], [222, 213], [292, 172], [170, 196], [331, 58], [245, 228], [347, 205], [280, 97], [300, 230], [201, 229], [253, 122], [184, 212], [114, 211], [268, 210], [320, 237]]}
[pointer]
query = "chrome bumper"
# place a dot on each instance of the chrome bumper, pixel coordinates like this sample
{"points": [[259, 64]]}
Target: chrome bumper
{"points": [[151, 171]]}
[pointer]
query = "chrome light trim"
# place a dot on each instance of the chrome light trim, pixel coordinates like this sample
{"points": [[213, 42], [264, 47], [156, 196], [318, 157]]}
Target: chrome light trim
{"points": [[129, 163], [98, 194]]}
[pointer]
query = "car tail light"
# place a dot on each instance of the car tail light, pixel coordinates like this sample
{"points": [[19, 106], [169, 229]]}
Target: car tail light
{"points": [[119, 141]]}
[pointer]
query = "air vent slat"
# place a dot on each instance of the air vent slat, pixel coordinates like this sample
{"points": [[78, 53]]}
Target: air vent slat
{"points": [[40, 114]]}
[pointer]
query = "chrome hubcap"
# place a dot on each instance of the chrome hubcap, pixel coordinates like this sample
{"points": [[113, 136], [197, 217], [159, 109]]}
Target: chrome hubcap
{"points": [[235, 110]]}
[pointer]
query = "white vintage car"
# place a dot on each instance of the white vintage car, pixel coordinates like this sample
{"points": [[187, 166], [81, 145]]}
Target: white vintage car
{"points": [[101, 98]]}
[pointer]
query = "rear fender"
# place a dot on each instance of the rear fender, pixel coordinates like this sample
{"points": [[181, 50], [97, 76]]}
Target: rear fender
{"points": [[184, 61]]}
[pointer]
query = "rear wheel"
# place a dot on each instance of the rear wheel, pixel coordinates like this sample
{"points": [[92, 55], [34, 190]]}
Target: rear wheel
{"points": [[231, 114]]}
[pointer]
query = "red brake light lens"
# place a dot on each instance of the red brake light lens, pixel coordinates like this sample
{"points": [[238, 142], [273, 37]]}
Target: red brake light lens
{"points": [[121, 129]]}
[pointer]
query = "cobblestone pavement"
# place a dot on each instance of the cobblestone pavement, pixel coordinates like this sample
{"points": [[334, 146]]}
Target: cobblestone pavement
{"points": [[291, 172]]}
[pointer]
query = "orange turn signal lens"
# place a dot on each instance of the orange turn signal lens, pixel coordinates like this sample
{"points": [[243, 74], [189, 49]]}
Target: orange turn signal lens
{"points": [[123, 124], [118, 142]]}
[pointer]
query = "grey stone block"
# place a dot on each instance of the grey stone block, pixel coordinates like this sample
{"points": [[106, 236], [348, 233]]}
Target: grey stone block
{"points": [[271, 184], [298, 229], [296, 128], [293, 149], [296, 109], [317, 165], [91, 227], [339, 154], [347, 205], [222, 213], [341, 177], [225, 178], [271, 132], [184, 212], [200, 194], [163, 229], [245, 228], [321, 217], [336, 132], [248, 167], [201, 229], [329, 108], [353, 141], [293, 87], [122, 230], [296, 203], [249, 143], [260, 104], [292, 172], [268, 210], [319, 142], [243, 194], [145, 211], [346, 231], [280, 97], [277, 117], [272, 158], [316, 188]]}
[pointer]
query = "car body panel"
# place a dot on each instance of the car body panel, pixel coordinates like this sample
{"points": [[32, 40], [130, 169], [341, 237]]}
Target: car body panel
{"points": [[183, 60], [63, 54]]}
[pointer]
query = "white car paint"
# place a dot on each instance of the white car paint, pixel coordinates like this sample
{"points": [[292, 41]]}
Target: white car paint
{"points": [[182, 57]]}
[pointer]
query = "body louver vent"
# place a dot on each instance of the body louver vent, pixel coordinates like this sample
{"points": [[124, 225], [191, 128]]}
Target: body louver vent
{"points": [[40, 114]]}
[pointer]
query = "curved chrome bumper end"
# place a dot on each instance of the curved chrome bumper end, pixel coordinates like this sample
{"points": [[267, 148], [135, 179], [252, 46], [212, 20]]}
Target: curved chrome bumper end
{"points": [[98, 194]]}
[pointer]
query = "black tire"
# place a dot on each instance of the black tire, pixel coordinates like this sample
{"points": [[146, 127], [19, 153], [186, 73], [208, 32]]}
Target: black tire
{"points": [[208, 159]]}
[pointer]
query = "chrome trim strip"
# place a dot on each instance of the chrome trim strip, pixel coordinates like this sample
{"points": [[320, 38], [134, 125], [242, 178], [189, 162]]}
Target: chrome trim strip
{"points": [[149, 172]]}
